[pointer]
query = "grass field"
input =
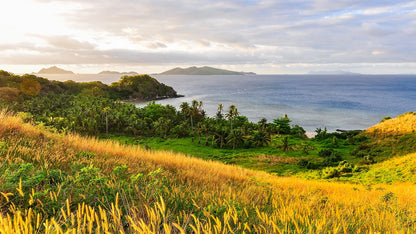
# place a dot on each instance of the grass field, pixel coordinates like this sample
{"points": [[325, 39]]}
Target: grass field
{"points": [[272, 158], [67, 183]]}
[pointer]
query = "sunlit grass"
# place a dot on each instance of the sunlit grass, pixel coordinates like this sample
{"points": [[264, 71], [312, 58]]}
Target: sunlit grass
{"points": [[198, 196], [402, 124]]}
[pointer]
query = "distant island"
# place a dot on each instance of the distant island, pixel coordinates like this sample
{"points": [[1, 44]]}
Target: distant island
{"points": [[117, 73], [203, 71], [54, 70], [338, 72]]}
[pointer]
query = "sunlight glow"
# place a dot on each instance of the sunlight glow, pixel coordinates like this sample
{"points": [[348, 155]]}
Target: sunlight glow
{"points": [[23, 18]]}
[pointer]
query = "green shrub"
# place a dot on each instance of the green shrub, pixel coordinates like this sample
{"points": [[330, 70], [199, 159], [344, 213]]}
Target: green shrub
{"points": [[330, 172]]}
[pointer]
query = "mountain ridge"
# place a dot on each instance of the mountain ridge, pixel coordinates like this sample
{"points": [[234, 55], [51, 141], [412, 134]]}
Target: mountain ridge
{"points": [[117, 73], [54, 70]]}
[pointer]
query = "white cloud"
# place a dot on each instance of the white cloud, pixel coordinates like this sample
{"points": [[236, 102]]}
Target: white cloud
{"points": [[239, 33], [377, 52]]}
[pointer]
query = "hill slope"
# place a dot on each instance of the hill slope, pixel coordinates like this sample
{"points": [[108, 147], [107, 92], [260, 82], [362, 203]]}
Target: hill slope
{"points": [[136, 87], [398, 169], [201, 71], [393, 146], [66, 182], [401, 125]]}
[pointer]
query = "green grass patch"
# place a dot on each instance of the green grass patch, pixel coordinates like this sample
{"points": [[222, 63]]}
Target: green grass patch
{"points": [[272, 158]]}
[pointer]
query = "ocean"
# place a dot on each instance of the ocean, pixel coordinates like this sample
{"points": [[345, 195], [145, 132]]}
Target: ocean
{"points": [[346, 102]]}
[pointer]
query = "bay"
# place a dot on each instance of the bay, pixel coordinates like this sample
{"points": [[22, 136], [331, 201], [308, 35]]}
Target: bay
{"points": [[311, 101]]}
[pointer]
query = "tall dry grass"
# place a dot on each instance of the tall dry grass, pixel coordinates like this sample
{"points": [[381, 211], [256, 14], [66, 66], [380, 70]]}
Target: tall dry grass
{"points": [[402, 124], [252, 201]]}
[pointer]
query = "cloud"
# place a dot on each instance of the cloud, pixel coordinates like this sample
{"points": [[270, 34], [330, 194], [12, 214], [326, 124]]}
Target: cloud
{"points": [[225, 32], [156, 45], [67, 42]]}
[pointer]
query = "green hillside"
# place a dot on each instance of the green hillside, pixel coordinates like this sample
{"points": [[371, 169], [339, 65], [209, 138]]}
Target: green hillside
{"points": [[136, 87], [60, 183]]}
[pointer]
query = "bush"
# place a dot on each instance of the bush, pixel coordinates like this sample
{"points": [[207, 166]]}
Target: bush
{"points": [[303, 163], [345, 167], [324, 153], [297, 131], [385, 118], [330, 172], [331, 157]]}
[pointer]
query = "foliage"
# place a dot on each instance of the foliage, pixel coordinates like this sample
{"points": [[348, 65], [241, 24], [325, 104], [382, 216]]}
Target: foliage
{"points": [[129, 87], [282, 125], [142, 87], [116, 188]]}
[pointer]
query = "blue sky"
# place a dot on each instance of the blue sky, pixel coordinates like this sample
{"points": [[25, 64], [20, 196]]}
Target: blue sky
{"points": [[267, 37]]}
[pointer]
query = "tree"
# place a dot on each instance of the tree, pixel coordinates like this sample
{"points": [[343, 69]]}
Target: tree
{"points": [[105, 111], [232, 112], [185, 109], [196, 111], [219, 112], [30, 86], [221, 134], [282, 125], [261, 138], [235, 137], [298, 131], [286, 144], [262, 123], [158, 126]]}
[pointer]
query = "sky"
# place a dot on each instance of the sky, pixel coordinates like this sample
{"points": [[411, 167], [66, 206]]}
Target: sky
{"points": [[265, 36]]}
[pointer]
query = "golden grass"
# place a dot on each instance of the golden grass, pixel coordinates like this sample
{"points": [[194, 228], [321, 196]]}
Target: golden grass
{"points": [[273, 160], [281, 204], [402, 124]]}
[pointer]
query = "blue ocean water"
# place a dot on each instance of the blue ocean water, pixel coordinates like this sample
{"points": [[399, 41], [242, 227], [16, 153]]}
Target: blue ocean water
{"points": [[311, 101]]}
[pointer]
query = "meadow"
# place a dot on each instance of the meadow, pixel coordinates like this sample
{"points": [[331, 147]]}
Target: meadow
{"points": [[81, 162], [273, 158], [64, 183]]}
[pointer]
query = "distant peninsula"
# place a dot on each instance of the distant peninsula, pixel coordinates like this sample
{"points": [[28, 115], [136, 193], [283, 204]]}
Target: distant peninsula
{"points": [[117, 73], [203, 71], [54, 70]]}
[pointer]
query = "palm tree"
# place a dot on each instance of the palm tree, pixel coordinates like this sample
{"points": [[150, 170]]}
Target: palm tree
{"points": [[206, 129], [105, 111], [232, 112], [219, 113], [184, 109], [262, 122], [235, 137], [286, 144], [194, 111], [261, 138], [200, 131], [221, 133]]}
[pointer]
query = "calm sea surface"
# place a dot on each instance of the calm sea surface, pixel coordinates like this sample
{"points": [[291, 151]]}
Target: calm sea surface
{"points": [[311, 101]]}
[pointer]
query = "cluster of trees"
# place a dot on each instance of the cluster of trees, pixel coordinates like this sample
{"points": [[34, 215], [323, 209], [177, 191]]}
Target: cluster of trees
{"points": [[93, 109], [93, 115]]}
